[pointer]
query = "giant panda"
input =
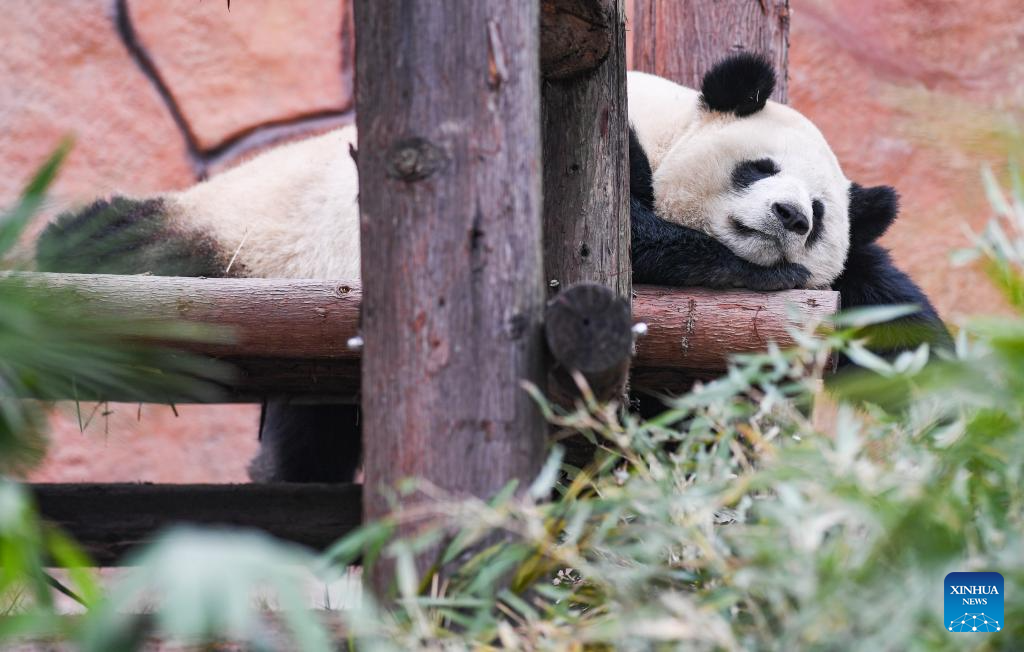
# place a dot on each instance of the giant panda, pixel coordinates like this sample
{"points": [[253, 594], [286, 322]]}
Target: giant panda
{"points": [[727, 190], [760, 179]]}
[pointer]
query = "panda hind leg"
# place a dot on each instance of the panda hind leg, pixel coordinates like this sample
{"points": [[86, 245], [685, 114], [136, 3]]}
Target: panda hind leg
{"points": [[307, 443], [129, 236]]}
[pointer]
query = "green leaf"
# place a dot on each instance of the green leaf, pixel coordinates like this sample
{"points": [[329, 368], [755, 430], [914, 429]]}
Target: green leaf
{"points": [[13, 223], [544, 484], [867, 316]]}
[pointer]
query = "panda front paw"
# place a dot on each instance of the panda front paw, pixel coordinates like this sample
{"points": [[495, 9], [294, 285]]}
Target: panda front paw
{"points": [[787, 276]]}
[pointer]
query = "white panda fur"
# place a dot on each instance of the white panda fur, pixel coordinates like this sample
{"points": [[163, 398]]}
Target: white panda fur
{"points": [[693, 152], [291, 212]]}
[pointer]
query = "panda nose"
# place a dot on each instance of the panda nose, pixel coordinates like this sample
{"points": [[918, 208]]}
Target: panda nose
{"points": [[792, 218]]}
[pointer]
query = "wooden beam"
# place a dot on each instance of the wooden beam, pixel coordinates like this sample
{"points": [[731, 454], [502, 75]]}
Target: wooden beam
{"points": [[689, 330], [448, 114], [265, 318], [109, 520], [692, 333], [287, 337], [682, 40]]}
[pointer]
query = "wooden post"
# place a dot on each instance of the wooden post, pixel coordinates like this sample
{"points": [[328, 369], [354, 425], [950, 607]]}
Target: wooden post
{"points": [[586, 204], [575, 36], [586, 166], [588, 328], [682, 40], [450, 198]]}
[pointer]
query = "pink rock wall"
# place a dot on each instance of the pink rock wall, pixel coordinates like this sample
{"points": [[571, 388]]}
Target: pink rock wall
{"points": [[157, 94], [917, 94]]}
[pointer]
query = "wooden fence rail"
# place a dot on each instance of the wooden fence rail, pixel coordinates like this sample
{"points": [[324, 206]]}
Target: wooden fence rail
{"points": [[109, 520]]}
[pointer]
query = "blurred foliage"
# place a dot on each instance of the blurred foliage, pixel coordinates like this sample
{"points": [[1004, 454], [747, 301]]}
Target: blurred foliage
{"points": [[53, 345], [730, 522]]}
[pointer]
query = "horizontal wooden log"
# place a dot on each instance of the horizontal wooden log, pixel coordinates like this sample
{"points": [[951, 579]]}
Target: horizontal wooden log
{"points": [[575, 36], [268, 318], [692, 332], [109, 520], [287, 337], [291, 335]]}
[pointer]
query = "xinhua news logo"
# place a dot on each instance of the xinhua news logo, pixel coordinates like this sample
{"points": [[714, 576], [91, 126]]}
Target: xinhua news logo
{"points": [[974, 602]]}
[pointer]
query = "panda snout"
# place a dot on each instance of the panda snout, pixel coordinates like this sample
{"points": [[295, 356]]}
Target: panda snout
{"points": [[792, 218]]}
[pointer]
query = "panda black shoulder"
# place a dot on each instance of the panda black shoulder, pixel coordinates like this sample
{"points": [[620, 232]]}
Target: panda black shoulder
{"points": [[641, 178], [740, 84]]}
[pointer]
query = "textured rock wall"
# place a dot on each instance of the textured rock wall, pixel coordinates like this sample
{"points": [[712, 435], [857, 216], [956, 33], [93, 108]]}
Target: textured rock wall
{"points": [[158, 94], [917, 94]]}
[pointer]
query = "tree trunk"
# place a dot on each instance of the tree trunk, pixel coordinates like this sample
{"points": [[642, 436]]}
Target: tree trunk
{"points": [[681, 40], [450, 197], [586, 196]]}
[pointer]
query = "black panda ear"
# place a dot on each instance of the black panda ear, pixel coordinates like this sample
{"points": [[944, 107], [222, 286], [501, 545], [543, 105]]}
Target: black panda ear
{"points": [[739, 84], [872, 211]]}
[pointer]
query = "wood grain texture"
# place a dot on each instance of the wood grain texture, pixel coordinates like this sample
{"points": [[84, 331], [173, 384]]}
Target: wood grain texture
{"points": [[109, 520], [691, 334], [586, 173], [683, 39], [269, 318], [576, 35], [448, 113], [697, 329]]}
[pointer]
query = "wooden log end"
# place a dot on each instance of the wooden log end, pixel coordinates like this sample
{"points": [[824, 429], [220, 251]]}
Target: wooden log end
{"points": [[588, 328], [575, 36]]}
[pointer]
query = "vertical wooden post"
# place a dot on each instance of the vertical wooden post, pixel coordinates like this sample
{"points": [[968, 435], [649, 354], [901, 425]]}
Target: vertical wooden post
{"points": [[450, 197], [586, 165], [682, 40], [586, 217]]}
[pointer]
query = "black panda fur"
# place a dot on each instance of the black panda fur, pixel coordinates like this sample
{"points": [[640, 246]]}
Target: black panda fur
{"points": [[871, 279], [127, 236], [740, 84]]}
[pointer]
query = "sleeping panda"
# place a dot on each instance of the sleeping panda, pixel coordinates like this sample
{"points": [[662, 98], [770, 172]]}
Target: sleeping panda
{"points": [[726, 190], [760, 179]]}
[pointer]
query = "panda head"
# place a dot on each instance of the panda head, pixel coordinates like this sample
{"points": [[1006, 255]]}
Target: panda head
{"points": [[760, 178]]}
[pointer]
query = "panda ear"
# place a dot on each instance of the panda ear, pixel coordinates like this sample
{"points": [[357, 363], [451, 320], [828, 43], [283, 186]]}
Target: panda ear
{"points": [[739, 84], [872, 211]]}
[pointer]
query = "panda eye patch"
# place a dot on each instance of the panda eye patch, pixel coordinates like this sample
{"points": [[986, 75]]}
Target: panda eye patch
{"points": [[818, 228], [747, 173]]}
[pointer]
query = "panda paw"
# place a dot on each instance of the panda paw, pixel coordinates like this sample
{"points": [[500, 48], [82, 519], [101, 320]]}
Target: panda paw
{"points": [[788, 276]]}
